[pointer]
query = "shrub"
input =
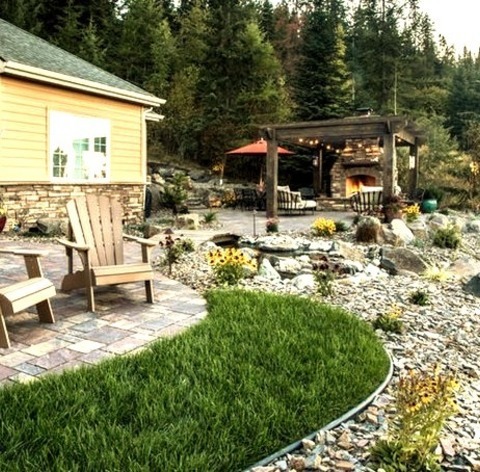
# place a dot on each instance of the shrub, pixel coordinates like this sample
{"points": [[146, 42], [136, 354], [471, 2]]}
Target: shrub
{"points": [[210, 217], [324, 282], [368, 230], [174, 249], [436, 274], [230, 265], [418, 243], [390, 322], [424, 401], [449, 237], [419, 297], [323, 227], [341, 226], [187, 245], [175, 194]]}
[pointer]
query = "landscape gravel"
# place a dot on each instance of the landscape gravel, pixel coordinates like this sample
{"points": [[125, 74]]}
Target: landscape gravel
{"points": [[443, 333]]}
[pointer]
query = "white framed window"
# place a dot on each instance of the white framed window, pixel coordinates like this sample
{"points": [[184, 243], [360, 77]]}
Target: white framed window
{"points": [[79, 147]]}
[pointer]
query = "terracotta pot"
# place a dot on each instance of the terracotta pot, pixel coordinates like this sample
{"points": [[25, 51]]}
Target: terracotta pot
{"points": [[3, 220]]}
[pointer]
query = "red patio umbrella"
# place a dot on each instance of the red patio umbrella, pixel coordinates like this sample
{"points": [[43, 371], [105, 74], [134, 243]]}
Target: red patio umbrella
{"points": [[257, 148]]}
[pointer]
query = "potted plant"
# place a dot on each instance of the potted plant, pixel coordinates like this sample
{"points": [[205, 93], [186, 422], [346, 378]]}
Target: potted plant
{"points": [[392, 208], [3, 215], [431, 199], [271, 225]]}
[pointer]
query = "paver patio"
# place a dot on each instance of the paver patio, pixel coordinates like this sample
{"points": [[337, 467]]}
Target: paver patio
{"points": [[123, 322]]}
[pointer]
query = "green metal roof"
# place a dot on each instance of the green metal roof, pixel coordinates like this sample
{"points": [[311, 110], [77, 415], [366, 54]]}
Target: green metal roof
{"points": [[18, 47]]}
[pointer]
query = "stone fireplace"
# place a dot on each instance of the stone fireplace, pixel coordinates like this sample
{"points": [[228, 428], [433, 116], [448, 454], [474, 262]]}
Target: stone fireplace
{"points": [[360, 164]]}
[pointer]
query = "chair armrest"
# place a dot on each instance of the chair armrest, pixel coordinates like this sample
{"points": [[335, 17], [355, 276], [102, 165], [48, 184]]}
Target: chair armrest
{"points": [[24, 252], [72, 245], [142, 241]]}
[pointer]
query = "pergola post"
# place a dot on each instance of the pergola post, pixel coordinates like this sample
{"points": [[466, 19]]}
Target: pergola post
{"points": [[414, 171], [389, 165], [272, 174]]}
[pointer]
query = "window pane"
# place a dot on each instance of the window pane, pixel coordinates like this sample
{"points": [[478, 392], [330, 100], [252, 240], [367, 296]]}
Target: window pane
{"points": [[59, 162], [79, 147]]}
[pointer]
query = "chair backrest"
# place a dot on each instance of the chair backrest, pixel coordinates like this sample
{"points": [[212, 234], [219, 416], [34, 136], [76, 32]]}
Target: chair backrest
{"points": [[284, 199], [96, 221], [362, 202]]}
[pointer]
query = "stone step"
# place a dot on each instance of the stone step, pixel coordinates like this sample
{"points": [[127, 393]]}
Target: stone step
{"points": [[331, 203]]}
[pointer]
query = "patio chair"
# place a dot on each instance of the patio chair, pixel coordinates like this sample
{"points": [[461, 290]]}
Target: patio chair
{"points": [[238, 197], [367, 202], [291, 202], [95, 232], [249, 198], [36, 290], [307, 193]]}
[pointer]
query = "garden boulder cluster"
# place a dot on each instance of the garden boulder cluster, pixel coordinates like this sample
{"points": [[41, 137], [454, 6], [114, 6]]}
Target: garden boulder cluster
{"points": [[372, 279]]}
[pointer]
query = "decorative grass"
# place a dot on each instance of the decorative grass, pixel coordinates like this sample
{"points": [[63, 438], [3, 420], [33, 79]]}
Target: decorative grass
{"points": [[260, 372]]}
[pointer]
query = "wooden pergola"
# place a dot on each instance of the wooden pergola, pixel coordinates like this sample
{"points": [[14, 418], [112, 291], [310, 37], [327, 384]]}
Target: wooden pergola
{"points": [[392, 131]]}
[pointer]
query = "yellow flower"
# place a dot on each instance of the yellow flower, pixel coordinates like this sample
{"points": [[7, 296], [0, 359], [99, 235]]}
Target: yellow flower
{"points": [[323, 227]]}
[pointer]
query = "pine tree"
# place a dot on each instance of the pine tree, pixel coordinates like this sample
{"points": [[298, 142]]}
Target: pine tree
{"points": [[463, 106], [322, 85], [179, 131], [240, 80]]}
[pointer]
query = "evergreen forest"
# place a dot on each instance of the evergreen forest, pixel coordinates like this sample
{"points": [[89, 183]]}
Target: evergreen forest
{"points": [[226, 67]]}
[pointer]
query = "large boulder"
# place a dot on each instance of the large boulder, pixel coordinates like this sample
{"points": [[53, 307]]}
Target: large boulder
{"points": [[267, 271], [199, 175], [52, 226], [304, 282], [396, 260], [401, 231], [277, 243], [438, 221], [189, 221], [473, 285], [287, 266], [418, 228], [472, 226], [464, 268], [349, 251]]}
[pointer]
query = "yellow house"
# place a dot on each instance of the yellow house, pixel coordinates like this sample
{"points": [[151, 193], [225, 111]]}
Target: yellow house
{"points": [[67, 127]]}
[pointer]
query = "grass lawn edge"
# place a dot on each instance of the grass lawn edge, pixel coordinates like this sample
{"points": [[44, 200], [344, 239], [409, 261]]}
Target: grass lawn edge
{"points": [[333, 424]]}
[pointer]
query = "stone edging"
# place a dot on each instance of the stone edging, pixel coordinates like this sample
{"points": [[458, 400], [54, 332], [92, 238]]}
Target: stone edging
{"points": [[333, 424]]}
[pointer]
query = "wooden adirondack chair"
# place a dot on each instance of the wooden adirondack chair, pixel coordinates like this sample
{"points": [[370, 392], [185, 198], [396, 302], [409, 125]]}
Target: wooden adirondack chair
{"points": [[95, 232], [36, 290]]}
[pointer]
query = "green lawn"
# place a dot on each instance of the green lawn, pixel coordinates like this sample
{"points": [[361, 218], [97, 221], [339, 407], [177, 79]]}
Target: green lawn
{"points": [[260, 372]]}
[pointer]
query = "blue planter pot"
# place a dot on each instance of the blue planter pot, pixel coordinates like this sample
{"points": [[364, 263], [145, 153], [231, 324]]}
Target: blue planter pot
{"points": [[429, 206]]}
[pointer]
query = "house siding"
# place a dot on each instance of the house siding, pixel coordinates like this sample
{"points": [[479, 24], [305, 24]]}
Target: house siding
{"points": [[26, 187], [24, 131]]}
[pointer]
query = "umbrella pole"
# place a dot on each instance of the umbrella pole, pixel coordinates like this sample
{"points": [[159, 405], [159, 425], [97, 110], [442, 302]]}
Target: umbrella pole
{"points": [[222, 170]]}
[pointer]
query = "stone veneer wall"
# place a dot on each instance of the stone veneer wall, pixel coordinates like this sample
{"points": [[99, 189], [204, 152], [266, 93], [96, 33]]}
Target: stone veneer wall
{"points": [[27, 203], [360, 157]]}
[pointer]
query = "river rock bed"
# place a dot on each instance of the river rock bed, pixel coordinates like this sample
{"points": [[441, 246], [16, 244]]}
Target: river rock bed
{"points": [[444, 333]]}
